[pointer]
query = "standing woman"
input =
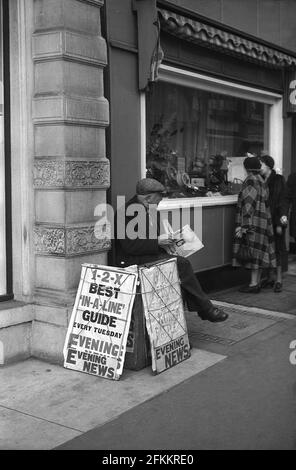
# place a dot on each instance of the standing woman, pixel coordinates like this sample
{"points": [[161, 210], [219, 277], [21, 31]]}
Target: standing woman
{"points": [[279, 207], [253, 222]]}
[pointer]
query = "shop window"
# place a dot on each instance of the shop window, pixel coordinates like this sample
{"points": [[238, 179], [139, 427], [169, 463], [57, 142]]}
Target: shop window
{"points": [[196, 139], [5, 212]]}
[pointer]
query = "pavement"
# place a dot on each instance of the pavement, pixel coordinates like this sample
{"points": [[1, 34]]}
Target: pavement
{"points": [[245, 402], [44, 405], [266, 299], [236, 391]]}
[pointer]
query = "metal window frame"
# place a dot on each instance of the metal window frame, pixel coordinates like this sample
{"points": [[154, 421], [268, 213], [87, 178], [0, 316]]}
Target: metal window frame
{"points": [[7, 151]]}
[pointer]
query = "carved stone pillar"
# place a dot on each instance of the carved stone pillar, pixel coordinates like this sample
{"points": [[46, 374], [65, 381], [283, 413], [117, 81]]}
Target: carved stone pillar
{"points": [[71, 171]]}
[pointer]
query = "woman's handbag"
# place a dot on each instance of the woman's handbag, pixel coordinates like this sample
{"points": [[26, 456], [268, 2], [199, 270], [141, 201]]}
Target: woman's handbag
{"points": [[236, 185], [245, 252]]}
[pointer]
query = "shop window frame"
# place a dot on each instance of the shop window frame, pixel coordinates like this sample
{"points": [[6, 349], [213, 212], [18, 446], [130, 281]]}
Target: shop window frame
{"points": [[199, 81]]}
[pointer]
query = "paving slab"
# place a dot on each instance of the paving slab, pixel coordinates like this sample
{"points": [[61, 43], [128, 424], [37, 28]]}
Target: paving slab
{"points": [[292, 265], [246, 402], [20, 431], [79, 401], [240, 324], [284, 301]]}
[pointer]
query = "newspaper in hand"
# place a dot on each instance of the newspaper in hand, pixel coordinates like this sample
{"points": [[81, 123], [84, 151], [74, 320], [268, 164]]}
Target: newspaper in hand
{"points": [[185, 242]]}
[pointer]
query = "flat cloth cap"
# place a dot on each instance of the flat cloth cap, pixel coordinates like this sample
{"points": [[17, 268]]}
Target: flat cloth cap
{"points": [[252, 164], [148, 186]]}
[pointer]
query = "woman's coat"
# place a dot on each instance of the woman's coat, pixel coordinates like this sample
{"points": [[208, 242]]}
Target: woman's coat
{"points": [[253, 215]]}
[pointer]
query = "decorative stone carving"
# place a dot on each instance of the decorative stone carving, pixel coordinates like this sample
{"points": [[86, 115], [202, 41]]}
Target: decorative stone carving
{"points": [[84, 240], [87, 174], [70, 241], [57, 174], [49, 240], [49, 174]]}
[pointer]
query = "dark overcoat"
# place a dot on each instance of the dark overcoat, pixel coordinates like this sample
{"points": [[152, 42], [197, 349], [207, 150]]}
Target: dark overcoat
{"points": [[279, 206], [144, 249], [137, 250], [291, 189], [278, 198], [253, 215]]}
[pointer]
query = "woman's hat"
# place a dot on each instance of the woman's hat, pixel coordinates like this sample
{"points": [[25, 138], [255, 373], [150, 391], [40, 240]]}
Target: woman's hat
{"points": [[252, 164], [268, 160]]}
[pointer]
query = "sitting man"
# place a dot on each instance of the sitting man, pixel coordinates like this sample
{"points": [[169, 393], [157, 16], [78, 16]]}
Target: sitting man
{"points": [[136, 250]]}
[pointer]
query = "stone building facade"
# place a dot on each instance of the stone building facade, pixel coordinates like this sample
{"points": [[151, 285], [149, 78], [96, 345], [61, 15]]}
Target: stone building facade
{"points": [[76, 75], [59, 167]]}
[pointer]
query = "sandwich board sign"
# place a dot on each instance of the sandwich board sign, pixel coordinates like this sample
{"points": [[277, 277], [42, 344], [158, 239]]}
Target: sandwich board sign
{"points": [[100, 321], [164, 313]]}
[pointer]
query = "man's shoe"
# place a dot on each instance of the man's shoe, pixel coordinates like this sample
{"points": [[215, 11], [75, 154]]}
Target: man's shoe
{"points": [[216, 315], [278, 287], [250, 289]]}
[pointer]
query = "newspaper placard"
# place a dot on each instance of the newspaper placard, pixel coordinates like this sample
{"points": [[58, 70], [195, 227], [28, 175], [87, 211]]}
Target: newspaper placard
{"points": [[98, 329], [164, 313]]}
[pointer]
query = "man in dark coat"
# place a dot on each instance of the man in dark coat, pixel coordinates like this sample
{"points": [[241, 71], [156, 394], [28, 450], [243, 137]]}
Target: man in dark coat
{"points": [[291, 190], [279, 208], [137, 241]]}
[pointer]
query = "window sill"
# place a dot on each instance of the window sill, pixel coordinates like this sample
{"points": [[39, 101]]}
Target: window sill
{"points": [[182, 203]]}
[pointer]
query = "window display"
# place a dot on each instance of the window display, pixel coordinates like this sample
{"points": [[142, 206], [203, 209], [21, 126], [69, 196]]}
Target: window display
{"points": [[196, 139]]}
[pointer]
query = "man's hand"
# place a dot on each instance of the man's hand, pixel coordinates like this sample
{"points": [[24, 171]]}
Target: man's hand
{"points": [[284, 220], [279, 230], [165, 239]]}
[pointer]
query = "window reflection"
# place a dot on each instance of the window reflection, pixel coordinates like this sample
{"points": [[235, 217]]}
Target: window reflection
{"points": [[196, 140]]}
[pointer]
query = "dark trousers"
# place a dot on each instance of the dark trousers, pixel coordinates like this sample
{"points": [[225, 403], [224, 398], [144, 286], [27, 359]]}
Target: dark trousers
{"points": [[192, 293]]}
